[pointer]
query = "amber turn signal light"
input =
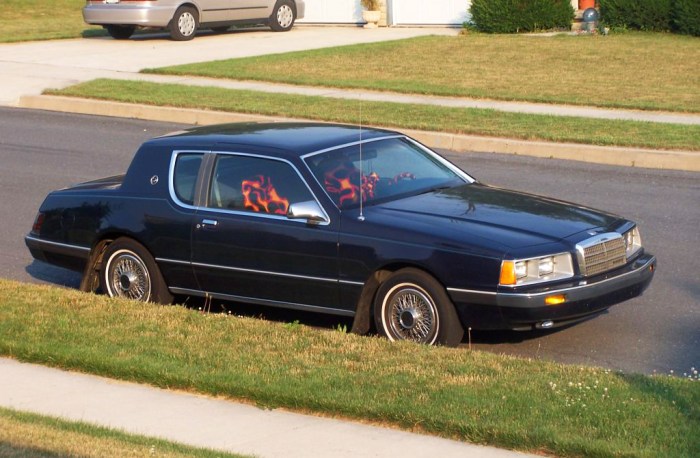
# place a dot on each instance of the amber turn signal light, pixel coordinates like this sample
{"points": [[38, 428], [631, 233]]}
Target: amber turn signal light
{"points": [[555, 299], [507, 273]]}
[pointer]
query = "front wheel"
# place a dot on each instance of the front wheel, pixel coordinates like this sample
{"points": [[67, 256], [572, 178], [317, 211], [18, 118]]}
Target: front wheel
{"points": [[120, 32], [412, 305], [184, 24], [129, 271], [282, 18]]}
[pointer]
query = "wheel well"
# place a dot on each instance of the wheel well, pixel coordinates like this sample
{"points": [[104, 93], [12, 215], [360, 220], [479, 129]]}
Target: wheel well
{"points": [[191, 5], [364, 316], [91, 277], [294, 6]]}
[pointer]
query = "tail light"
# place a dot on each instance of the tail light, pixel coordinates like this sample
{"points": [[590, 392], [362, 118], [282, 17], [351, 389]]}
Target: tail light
{"points": [[38, 222]]}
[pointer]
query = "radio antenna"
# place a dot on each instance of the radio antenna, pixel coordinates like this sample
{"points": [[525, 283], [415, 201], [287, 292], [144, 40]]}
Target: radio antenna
{"points": [[362, 170]]}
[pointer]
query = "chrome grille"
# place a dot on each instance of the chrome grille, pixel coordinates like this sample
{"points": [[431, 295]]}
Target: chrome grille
{"points": [[601, 253]]}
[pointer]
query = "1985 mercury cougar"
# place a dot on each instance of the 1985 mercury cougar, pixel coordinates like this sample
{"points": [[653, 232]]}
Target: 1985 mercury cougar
{"points": [[364, 223]]}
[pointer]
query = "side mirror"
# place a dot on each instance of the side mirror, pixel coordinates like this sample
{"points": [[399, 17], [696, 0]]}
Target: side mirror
{"points": [[308, 210]]}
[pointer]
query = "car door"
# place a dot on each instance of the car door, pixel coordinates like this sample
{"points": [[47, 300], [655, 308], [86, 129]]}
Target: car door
{"points": [[244, 246], [234, 10]]}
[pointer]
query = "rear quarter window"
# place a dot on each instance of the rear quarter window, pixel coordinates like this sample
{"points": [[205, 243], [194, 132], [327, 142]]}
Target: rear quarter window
{"points": [[185, 176]]}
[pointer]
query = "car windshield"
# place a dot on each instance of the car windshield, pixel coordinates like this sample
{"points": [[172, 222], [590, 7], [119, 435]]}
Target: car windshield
{"points": [[382, 170]]}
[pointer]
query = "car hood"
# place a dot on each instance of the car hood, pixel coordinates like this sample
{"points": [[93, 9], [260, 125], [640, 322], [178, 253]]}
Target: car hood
{"points": [[510, 218]]}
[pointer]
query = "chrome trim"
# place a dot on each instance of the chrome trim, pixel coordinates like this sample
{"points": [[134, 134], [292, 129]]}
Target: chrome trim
{"points": [[459, 172], [173, 261], [345, 145], [263, 272], [349, 282], [562, 275], [173, 195], [651, 260], [471, 291], [593, 241], [171, 176], [254, 271], [58, 244], [442, 160], [269, 302]]}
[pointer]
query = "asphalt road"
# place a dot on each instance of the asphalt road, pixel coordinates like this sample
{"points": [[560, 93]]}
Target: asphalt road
{"points": [[658, 332]]}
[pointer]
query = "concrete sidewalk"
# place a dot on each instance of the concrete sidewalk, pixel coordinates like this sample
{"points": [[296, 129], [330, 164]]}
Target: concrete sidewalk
{"points": [[203, 421], [31, 67]]}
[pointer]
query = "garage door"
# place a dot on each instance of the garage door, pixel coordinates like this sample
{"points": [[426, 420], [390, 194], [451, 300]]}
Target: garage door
{"points": [[435, 12], [332, 12]]}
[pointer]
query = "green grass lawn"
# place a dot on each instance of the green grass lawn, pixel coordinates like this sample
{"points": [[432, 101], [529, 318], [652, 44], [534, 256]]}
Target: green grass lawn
{"points": [[28, 435], [23, 20], [633, 70], [467, 395], [407, 116]]}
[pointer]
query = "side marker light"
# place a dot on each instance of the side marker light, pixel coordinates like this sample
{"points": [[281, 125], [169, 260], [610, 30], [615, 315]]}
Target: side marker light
{"points": [[555, 299]]}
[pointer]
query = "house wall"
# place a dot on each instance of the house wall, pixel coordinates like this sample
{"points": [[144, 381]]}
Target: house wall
{"points": [[435, 12], [394, 12]]}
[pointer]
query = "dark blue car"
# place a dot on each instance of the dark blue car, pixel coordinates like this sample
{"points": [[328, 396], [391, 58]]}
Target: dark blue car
{"points": [[365, 223]]}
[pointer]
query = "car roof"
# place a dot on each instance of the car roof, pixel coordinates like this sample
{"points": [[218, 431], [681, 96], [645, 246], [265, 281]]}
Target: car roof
{"points": [[294, 139]]}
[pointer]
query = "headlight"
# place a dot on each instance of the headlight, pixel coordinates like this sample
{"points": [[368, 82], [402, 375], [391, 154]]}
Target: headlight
{"points": [[536, 270], [633, 242]]}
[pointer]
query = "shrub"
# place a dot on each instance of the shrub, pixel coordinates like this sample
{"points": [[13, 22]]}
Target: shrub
{"points": [[637, 14], [685, 17], [512, 16]]}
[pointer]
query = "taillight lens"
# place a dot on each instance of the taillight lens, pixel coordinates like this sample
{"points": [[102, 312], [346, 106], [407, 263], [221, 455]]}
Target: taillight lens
{"points": [[38, 222]]}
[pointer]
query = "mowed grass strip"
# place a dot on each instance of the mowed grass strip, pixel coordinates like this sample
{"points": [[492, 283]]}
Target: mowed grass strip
{"points": [[468, 395], [397, 115], [24, 20], [634, 70], [28, 435]]}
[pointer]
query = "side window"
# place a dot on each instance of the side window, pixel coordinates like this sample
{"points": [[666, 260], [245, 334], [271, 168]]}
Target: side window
{"points": [[254, 184], [185, 176]]}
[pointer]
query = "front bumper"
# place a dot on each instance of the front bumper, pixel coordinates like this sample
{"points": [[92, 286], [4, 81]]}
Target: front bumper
{"points": [[527, 309], [146, 15]]}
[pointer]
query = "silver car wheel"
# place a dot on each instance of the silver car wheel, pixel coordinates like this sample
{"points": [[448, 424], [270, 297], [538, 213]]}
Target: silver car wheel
{"points": [[285, 16], [410, 314], [127, 276], [186, 23]]}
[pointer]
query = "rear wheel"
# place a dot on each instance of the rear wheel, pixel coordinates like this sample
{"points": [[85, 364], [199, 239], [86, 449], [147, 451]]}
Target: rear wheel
{"points": [[184, 24], [120, 32], [283, 16], [129, 271], [412, 305]]}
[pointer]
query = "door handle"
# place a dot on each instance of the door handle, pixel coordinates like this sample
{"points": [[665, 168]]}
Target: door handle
{"points": [[210, 222]]}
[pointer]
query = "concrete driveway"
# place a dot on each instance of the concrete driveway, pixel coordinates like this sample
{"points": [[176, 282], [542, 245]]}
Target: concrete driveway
{"points": [[30, 68]]}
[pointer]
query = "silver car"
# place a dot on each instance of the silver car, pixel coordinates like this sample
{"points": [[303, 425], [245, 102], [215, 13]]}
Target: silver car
{"points": [[183, 17]]}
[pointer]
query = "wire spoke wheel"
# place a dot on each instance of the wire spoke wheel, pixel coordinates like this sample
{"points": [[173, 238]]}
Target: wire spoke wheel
{"points": [[128, 277], [128, 270], [412, 305], [412, 315]]}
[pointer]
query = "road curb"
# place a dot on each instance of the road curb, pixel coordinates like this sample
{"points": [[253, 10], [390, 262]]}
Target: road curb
{"points": [[621, 156]]}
